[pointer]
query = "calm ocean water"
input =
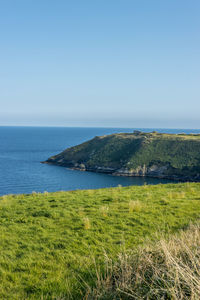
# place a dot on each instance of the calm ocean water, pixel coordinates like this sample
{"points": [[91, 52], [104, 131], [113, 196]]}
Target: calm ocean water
{"points": [[23, 148]]}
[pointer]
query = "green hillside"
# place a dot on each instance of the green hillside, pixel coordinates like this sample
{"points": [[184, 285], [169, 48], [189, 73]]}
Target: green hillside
{"points": [[137, 154], [51, 242]]}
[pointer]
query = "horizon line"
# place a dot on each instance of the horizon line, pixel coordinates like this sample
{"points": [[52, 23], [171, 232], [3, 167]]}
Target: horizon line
{"points": [[132, 127]]}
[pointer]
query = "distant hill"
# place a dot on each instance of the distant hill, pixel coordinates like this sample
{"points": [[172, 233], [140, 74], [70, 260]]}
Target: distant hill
{"points": [[173, 156]]}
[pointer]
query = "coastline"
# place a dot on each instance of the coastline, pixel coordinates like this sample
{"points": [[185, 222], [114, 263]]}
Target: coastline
{"points": [[123, 172]]}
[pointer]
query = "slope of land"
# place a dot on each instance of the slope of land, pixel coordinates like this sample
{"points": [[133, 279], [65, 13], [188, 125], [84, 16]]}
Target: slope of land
{"points": [[168, 269], [49, 241], [173, 156]]}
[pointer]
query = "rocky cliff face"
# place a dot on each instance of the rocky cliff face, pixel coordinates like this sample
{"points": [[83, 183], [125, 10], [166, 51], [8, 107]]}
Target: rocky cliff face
{"points": [[140, 171], [138, 154]]}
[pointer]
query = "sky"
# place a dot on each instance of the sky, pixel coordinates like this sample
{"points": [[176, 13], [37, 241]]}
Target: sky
{"points": [[108, 63]]}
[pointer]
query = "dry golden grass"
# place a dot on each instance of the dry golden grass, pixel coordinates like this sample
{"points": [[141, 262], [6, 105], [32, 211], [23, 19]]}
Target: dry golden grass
{"points": [[104, 210], [34, 194], [86, 222], [168, 270], [181, 195], [135, 206]]}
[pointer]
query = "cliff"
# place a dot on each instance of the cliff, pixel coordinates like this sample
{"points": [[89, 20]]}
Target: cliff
{"points": [[174, 156]]}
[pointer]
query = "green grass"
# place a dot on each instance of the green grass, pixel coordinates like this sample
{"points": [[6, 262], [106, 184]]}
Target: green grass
{"points": [[48, 241]]}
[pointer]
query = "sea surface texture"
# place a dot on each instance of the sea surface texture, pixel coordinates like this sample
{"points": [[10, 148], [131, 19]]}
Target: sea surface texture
{"points": [[23, 148]]}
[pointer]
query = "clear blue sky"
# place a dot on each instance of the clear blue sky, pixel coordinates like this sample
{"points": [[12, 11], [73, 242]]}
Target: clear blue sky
{"points": [[118, 63]]}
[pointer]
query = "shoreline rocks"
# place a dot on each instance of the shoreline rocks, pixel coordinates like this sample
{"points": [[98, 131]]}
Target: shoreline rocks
{"points": [[142, 171]]}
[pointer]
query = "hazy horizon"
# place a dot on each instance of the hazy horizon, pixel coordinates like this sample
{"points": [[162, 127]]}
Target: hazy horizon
{"points": [[111, 127]]}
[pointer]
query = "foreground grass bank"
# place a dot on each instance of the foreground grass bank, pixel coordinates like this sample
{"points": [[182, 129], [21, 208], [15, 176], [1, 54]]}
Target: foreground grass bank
{"points": [[168, 269], [49, 241]]}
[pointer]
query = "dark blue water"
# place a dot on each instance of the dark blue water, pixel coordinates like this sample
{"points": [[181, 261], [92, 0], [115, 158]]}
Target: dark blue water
{"points": [[23, 148]]}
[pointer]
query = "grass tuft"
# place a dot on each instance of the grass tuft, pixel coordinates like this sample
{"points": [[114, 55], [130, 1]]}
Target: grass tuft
{"points": [[135, 206], [167, 270], [104, 210], [86, 222]]}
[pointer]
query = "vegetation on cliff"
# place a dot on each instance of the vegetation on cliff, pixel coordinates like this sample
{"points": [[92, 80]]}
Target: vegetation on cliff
{"points": [[51, 242], [175, 156]]}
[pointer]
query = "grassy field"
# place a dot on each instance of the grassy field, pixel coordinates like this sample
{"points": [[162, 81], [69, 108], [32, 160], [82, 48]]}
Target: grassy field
{"points": [[50, 242]]}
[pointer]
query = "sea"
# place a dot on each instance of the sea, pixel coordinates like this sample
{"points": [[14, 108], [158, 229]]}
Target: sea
{"points": [[23, 148]]}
